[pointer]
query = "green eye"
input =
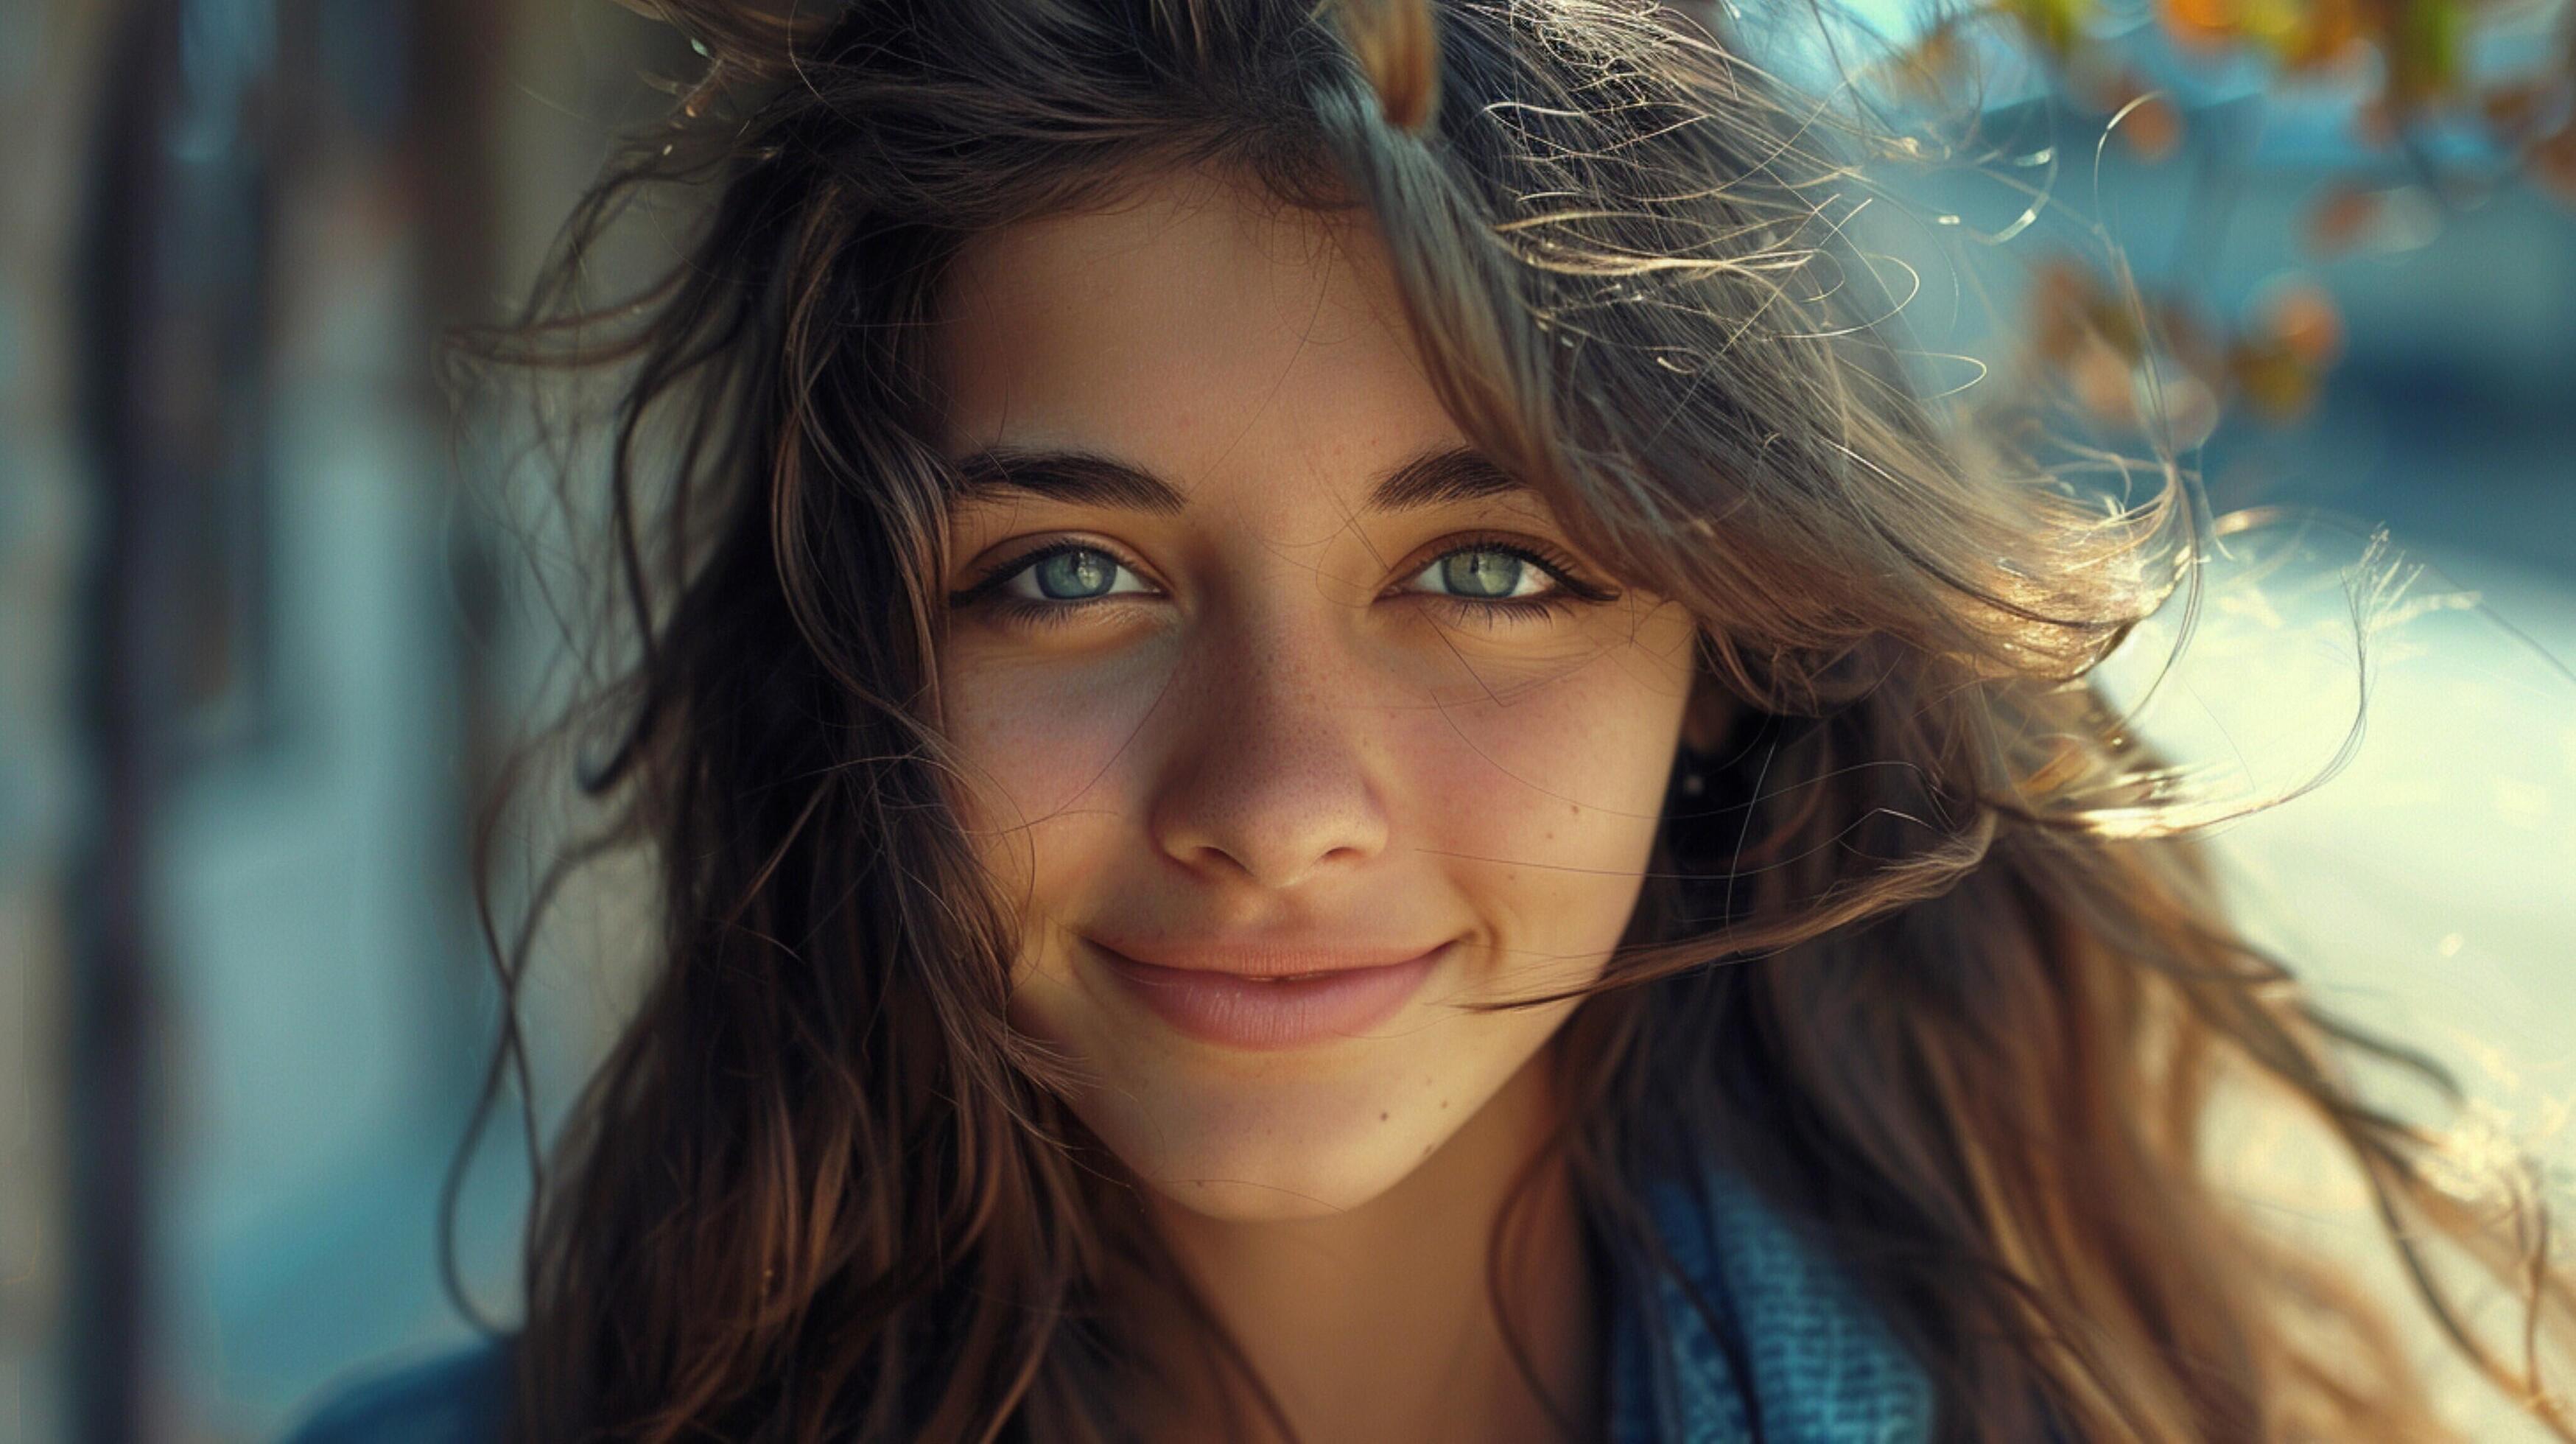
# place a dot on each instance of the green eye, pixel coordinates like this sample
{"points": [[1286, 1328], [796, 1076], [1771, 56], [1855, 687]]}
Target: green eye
{"points": [[1072, 576], [1064, 574], [1491, 583], [1481, 573], [1492, 573]]}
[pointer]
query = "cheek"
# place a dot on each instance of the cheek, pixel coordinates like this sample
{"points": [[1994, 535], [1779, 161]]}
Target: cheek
{"points": [[1543, 808], [1041, 746]]}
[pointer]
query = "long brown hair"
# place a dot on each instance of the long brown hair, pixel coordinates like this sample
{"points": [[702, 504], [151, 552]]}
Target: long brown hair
{"points": [[1919, 962]]}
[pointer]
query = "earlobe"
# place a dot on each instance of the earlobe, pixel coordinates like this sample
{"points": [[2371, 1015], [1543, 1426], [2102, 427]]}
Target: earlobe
{"points": [[1710, 715]]}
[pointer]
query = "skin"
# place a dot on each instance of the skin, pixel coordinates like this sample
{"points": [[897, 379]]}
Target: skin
{"points": [[1276, 722]]}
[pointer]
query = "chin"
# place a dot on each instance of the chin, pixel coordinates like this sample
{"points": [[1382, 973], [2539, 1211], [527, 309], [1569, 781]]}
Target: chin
{"points": [[1256, 1150]]}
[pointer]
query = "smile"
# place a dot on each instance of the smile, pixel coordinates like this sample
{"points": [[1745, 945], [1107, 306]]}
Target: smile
{"points": [[1274, 1012]]}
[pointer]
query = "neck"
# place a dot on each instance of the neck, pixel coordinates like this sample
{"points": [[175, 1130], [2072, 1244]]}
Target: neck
{"points": [[1380, 1323]]}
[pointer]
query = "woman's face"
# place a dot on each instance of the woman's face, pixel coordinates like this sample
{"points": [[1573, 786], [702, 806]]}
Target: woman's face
{"points": [[1290, 724]]}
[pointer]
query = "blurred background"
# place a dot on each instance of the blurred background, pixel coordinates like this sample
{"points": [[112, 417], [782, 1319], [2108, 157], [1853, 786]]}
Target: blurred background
{"points": [[265, 638]]}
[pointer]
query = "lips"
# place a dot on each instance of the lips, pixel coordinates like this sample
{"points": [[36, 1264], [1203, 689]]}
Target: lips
{"points": [[1267, 998], [1259, 958]]}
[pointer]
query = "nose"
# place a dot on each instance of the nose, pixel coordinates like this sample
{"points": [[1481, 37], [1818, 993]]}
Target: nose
{"points": [[1270, 779]]}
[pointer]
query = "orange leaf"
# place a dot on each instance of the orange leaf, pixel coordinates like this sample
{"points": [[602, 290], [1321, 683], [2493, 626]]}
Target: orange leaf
{"points": [[2103, 382], [2272, 380], [2189, 340], [2325, 34], [2153, 130], [2514, 111], [2203, 24], [2342, 216], [2060, 296], [1930, 67], [2303, 319], [2552, 160]]}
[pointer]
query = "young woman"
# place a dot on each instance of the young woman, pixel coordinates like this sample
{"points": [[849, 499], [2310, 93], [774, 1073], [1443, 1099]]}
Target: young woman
{"points": [[1334, 756]]}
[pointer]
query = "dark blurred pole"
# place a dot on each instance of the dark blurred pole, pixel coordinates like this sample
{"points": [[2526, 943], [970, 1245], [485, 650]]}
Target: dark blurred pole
{"points": [[172, 337], [110, 984], [456, 69]]}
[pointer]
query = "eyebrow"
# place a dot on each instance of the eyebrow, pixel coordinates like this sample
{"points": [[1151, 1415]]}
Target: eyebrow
{"points": [[1082, 478]]}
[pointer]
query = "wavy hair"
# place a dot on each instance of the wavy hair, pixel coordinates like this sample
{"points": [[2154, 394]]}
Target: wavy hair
{"points": [[1925, 962]]}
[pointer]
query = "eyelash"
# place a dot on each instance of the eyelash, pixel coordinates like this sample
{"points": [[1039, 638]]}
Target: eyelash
{"points": [[1487, 612]]}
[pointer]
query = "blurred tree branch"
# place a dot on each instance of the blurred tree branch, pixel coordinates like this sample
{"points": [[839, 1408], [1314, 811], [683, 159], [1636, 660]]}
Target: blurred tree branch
{"points": [[2449, 102]]}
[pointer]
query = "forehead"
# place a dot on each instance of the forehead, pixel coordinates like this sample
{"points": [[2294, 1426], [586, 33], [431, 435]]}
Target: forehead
{"points": [[1193, 329]]}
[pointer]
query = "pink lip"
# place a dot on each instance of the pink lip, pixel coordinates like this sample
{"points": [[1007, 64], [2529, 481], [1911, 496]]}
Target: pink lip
{"points": [[1270, 999]]}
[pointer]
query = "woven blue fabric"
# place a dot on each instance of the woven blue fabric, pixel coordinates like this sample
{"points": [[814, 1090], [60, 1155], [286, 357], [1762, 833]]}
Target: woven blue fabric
{"points": [[1797, 1358]]}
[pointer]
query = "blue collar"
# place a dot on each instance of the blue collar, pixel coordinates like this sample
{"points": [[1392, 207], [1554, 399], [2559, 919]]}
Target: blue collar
{"points": [[1797, 1357]]}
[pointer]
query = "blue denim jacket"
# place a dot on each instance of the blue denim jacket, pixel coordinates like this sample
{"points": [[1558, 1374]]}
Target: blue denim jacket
{"points": [[1797, 1358]]}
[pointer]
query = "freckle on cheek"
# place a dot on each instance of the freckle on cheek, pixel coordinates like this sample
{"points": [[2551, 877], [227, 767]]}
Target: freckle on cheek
{"points": [[1381, 1118]]}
